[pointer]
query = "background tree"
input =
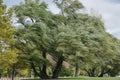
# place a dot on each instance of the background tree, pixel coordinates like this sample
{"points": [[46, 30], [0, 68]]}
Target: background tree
{"points": [[8, 54]]}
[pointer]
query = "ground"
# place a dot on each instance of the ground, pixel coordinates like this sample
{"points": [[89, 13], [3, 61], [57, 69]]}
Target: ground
{"points": [[85, 78]]}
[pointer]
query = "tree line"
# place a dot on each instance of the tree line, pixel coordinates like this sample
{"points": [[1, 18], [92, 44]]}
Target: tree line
{"points": [[42, 44]]}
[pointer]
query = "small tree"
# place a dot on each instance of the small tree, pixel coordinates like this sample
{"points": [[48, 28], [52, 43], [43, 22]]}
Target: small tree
{"points": [[8, 54]]}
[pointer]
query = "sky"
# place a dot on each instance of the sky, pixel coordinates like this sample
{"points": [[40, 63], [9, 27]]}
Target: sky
{"points": [[108, 9]]}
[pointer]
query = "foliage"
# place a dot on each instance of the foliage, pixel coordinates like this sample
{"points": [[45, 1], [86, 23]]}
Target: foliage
{"points": [[8, 54], [66, 72], [79, 39]]}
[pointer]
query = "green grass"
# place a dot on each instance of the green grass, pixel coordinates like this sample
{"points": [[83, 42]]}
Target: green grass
{"points": [[84, 78]]}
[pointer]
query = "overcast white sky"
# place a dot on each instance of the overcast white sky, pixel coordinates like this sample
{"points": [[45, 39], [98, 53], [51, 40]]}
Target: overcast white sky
{"points": [[109, 9]]}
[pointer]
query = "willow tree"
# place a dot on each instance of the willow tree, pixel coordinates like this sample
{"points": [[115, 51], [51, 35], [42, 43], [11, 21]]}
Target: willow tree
{"points": [[69, 35], [8, 54], [45, 36], [99, 45], [36, 36]]}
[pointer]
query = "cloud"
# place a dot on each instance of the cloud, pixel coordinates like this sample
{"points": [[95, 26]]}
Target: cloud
{"points": [[53, 8], [110, 13], [117, 35], [114, 1]]}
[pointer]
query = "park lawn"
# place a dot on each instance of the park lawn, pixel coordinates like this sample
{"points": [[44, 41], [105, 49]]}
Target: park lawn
{"points": [[84, 78], [94, 78]]}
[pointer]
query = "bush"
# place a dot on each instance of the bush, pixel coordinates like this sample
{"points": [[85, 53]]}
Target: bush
{"points": [[66, 72]]}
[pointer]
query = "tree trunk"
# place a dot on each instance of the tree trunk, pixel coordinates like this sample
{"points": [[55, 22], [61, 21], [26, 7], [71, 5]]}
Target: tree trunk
{"points": [[101, 75], [88, 72], [104, 72], [34, 69], [1, 71], [58, 67], [92, 72], [43, 72], [13, 72], [76, 69], [0, 76]]}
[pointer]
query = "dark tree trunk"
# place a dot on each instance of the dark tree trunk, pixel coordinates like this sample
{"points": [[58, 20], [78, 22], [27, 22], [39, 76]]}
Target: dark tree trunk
{"points": [[58, 67], [104, 72], [76, 69], [101, 75], [43, 72], [13, 72], [34, 69], [87, 72], [0, 76], [1, 71], [92, 72]]}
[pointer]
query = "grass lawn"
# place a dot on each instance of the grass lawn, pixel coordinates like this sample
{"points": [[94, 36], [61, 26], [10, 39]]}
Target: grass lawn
{"points": [[84, 78]]}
